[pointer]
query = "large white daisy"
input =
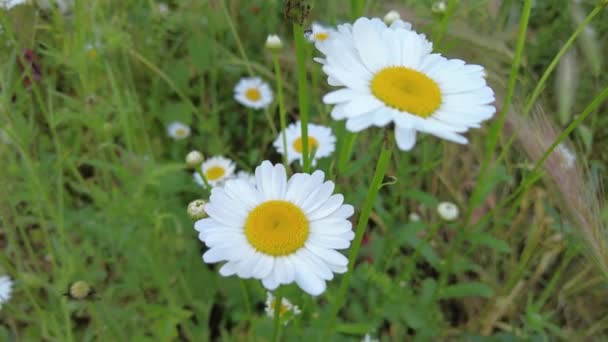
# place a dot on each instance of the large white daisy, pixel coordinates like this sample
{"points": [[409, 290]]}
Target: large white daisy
{"points": [[253, 93], [6, 289], [216, 170], [279, 231], [389, 74], [320, 139]]}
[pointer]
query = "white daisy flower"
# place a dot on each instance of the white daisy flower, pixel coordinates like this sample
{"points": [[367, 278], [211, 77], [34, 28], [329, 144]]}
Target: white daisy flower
{"points": [[178, 130], [253, 93], [8, 4], [6, 289], [216, 170], [319, 33], [448, 211], [246, 176], [280, 231], [320, 138], [286, 307], [389, 74]]}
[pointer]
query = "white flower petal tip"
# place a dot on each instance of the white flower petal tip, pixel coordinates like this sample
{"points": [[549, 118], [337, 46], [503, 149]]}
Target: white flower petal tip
{"points": [[321, 142], [278, 230], [253, 93], [388, 74]]}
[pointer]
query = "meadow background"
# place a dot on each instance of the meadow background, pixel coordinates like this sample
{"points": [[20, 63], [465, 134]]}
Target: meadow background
{"points": [[93, 189]]}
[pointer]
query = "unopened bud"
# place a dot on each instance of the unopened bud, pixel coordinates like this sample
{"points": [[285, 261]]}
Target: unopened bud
{"points": [[273, 42], [448, 211], [391, 16], [439, 7], [194, 159], [196, 209]]}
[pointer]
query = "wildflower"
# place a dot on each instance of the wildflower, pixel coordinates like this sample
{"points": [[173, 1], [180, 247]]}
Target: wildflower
{"points": [[320, 33], [194, 159], [196, 209], [286, 311], [391, 16], [389, 74], [216, 170], [92, 50], [246, 176], [6, 289], [163, 8], [368, 338], [8, 4], [448, 211], [80, 290], [178, 130], [280, 231], [273, 42], [439, 7], [567, 157], [253, 93], [321, 141], [414, 217]]}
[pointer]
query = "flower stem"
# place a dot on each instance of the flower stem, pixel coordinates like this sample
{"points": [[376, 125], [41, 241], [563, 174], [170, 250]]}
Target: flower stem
{"points": [[372, 193], [246, 299], [282, 114], [239, 44], [249, 125], [298, 35], [278, 299], [202, 174]]}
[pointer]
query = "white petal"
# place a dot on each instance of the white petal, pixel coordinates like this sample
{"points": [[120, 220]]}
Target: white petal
{"points": [[339, 96], [372, 48], [331, 205], [405, 137]]}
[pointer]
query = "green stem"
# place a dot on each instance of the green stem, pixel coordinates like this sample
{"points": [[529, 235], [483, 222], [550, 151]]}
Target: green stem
{"points": [[356, 8], [239, 44], [246, 299], [443, 25], [282, 112], [372, 193], [298, 35], [495, 129], [278, 299], [249, 125], [348, 142], [202, 174]]}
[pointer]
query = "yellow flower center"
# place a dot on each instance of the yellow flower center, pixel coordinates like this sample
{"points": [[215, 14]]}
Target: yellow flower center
{"points": [[312, 143], [321, 36], [276, 228], [215, 173], [407, 90], [253, 94], [180, 132], [282, 310], [92, 53]]}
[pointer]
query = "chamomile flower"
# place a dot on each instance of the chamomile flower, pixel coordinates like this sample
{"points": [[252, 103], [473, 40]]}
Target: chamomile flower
{"points": [[280, 231], [252, 92], [287, 309], [388, 74], [178, 130], [320, 139], [320, 34], [6, 289], [216, 170]]}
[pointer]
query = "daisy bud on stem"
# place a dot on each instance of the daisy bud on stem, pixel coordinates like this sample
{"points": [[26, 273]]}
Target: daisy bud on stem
{"points": [[273, 42], [391, 16], [196, 209], [194, 159]]}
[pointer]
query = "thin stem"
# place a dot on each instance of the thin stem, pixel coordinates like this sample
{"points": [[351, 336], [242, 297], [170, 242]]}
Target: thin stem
{"points": [[372, 193], [282, 112], [239, 44], [270, 121], [348, 142], [246, 299], [298, 34], [278, 300], [496, 127], [202, 174], [443, 25], [249, 125]]}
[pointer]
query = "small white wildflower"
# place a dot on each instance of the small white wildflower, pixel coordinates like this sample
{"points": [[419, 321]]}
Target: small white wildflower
{"points": [[216, 170], [414, 217], [194, 159], [273, 42], [391, 16], [163, 8], [368, 338], [568, 158], [253, 93], [439, 7], [196, 209], [6, 289], [448, 211], [285, 311], [178, 130]]}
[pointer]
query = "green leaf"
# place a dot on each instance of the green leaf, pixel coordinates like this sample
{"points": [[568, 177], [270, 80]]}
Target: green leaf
{"points": [[482, 238], [472, 289]]}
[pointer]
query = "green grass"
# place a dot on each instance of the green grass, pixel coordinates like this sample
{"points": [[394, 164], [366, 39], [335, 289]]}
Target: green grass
{"points": [[91, 187]]}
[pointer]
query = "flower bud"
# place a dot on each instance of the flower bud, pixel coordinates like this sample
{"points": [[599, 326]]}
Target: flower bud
{"points": [[439, 7], [194, 159], [196, 209], [448, 211], [273, 42], [391, 16]]}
